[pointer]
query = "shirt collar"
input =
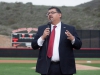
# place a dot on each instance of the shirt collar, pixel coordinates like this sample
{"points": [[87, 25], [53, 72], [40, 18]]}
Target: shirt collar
{"points": [[59, 24]]}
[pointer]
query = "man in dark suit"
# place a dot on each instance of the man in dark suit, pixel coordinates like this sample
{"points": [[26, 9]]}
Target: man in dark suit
{"points": [[60, 60]]}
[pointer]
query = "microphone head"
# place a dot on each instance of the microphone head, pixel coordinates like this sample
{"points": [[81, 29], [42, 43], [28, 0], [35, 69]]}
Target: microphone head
{"points": [[50, 20], [49, 23]]}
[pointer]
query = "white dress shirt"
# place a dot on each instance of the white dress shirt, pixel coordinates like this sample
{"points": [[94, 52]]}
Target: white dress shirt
{"points": [[55, 56]]}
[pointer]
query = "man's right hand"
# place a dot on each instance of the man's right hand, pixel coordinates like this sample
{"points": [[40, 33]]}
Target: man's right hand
{"points": [[45, 33]]}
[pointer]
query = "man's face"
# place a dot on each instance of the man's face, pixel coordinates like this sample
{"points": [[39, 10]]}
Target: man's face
{"points": [[53, 15]]}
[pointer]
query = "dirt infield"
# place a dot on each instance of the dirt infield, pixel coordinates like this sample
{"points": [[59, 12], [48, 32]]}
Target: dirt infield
{"points": [[34, 61], [78, 64], [85, 67]]}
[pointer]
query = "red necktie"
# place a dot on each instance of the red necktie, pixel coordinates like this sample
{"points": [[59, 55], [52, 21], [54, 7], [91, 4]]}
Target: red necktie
{"points": [[51, 42]]}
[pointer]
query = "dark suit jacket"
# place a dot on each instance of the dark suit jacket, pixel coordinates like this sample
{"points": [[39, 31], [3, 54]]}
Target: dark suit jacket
{"points": [[67, 61]]}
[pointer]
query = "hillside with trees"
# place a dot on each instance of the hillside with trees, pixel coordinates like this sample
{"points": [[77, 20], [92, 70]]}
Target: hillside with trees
{"points": [[18, 15]]}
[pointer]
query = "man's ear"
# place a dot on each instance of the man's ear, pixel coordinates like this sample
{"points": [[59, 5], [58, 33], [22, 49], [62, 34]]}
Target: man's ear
{"points": [[60, 15]]}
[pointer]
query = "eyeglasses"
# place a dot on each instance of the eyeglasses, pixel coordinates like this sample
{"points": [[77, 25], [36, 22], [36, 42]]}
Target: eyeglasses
{"points": [[51, 13]]}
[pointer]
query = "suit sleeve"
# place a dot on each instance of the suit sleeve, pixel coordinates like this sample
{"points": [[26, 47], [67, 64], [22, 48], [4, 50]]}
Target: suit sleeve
{"points": [[77, 44], [34, 43]]}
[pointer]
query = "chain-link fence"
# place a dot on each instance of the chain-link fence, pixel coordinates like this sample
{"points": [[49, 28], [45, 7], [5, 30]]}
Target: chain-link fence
{"points": [[90, 38]]}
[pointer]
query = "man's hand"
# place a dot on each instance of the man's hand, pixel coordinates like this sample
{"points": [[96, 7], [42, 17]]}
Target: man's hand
{"points": [[46, 33], [69, 35]]}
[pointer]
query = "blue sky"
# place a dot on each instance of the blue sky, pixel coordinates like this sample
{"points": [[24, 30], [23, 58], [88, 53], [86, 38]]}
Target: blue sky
{"points": [[51, 2]]}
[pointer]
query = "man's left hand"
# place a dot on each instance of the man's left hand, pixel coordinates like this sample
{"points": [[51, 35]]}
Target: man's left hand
{"points": [[69, 35]]}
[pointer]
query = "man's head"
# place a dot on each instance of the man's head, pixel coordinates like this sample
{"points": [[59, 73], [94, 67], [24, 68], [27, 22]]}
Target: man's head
{"points": [[54, 14], [56, 8]]}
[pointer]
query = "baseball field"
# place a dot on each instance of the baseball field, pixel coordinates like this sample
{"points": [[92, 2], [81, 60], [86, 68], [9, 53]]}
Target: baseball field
{"points": [[26, 66]]}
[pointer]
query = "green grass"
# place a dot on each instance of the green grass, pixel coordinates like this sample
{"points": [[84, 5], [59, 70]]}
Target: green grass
{"points": [[88, 72], [17, 69]]}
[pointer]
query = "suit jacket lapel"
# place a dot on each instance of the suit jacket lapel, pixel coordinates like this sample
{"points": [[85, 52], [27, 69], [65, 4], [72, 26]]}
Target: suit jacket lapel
{"points": [[62, 33]]}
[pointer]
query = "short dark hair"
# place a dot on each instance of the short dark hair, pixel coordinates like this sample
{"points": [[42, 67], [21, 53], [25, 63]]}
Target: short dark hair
{"points": [[57, 9]]}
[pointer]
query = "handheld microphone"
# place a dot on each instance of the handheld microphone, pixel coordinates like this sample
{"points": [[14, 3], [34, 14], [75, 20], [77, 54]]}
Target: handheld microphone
{"points": [[48, 26]]}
